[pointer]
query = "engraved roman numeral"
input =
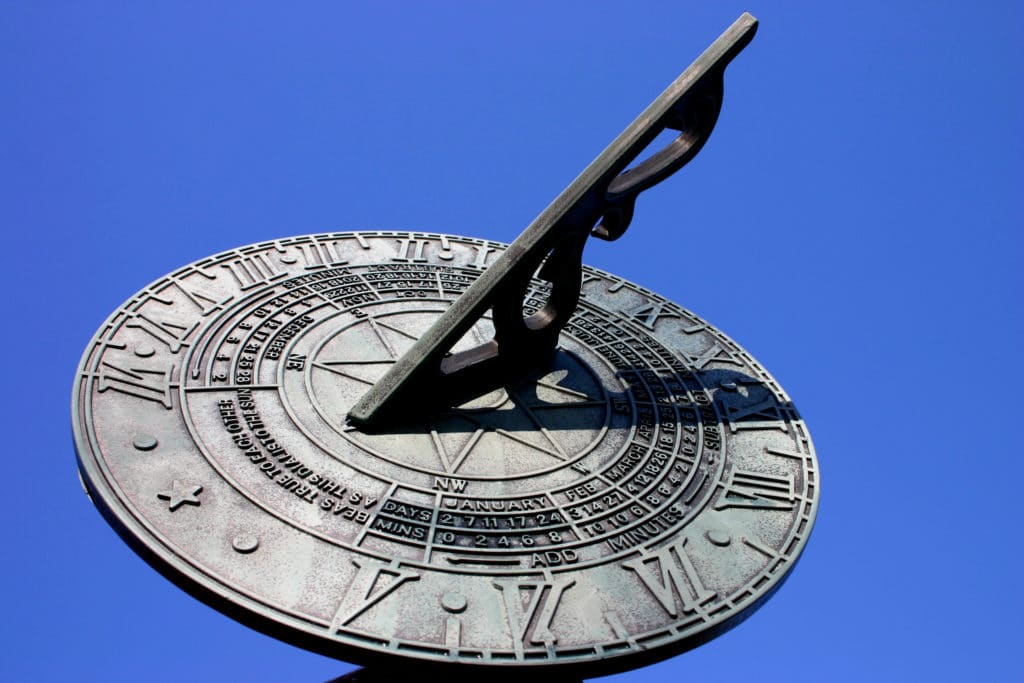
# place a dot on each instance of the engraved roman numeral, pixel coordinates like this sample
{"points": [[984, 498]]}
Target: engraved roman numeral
{"points": [[759, 546], [694, 328], [717, 353], [674, 581], [757, 490], [253, 271], [784, 454], [648, 312], [614, 621], [412, 250], [764, 414], [480, 257], [319, 254], [452, 633], [205, 304], [151, 385], [530, 620], [172, 334], [372, 583]]}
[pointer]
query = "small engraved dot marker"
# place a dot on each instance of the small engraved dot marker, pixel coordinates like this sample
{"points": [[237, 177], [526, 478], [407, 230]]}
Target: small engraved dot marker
{"points": [[454, 602], [145, 442], [145, 351], [288, 259], [718, 537], [245, 543]]}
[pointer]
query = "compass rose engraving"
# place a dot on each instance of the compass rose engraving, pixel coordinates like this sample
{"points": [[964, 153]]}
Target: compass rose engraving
{"points": [[533, 424]]}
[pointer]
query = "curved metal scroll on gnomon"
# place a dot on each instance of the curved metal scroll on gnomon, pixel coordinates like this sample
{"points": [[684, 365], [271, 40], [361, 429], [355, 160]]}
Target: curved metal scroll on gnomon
{"points": [[598, 202]]}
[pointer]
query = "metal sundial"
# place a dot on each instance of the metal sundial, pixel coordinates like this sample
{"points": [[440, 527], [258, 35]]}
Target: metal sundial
{"points": [[401, 448]]}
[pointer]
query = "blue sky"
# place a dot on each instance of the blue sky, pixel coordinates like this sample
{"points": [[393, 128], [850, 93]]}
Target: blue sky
{"points": [[854, 222]]}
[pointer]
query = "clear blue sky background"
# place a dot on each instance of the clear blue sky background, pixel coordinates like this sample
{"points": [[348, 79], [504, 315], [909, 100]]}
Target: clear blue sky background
{"points": [[854, 222]]}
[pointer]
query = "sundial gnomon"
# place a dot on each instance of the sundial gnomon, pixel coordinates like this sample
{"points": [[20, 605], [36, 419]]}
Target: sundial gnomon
{"points": [[567, 470]]}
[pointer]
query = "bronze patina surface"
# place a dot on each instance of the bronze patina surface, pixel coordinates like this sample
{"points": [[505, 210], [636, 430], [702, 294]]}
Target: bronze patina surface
{"points": [[635, 487], [632, 500]]}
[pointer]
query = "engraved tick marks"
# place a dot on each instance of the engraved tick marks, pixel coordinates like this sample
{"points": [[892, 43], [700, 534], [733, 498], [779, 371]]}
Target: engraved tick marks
{"points": [[181, 494]]}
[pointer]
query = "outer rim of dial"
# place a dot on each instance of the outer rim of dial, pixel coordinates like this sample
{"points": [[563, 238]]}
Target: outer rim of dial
{"points": [[177, 568]]}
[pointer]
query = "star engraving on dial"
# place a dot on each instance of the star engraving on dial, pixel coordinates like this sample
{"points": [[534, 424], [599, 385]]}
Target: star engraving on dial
{"points": [[532, 423], [180, 494]]}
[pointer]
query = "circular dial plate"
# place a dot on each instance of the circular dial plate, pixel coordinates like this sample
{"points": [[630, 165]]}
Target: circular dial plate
{"points": [[643, 494]]}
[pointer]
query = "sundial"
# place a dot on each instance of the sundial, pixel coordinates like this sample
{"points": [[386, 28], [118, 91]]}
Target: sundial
{"points": [[415, 449]]}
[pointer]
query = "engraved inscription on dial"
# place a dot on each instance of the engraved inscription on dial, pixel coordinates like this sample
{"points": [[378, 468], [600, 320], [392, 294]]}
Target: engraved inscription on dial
{"points": [[653, 483], [604, 450]]}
